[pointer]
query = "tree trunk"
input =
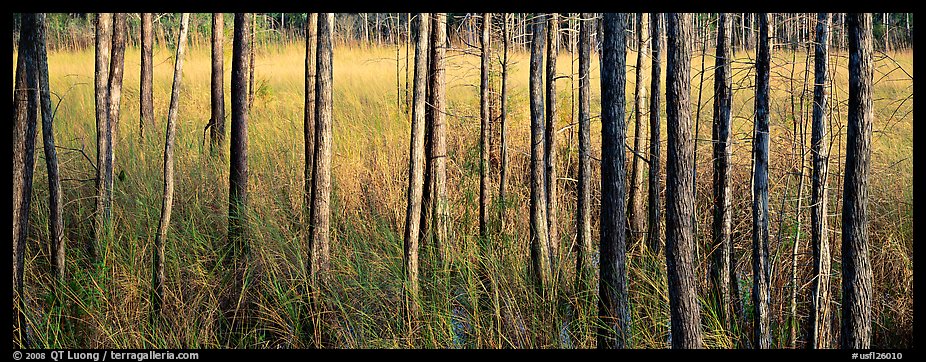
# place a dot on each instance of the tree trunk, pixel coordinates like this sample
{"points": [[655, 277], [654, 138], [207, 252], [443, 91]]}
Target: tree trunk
{"points": [[503, 168], [760, 263], [484, 126], [415, 169], [320, 214], [441, 213], [308, 126], [614, 302], [683, 303], [146, 101], [25, 118], [583, 208], [116, 68], [540, 253], [56, 222], [424, 226], [819, 239], [722, 247], [856, 267], [550, 139], [218, 82], [102, 214], [654, 234], [636, 211], [238, 159], [168, 199]]}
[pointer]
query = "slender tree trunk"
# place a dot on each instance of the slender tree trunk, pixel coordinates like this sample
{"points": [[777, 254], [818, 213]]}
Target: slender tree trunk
{"points": [[654, 236], [416, 169], [408, 42], [320, 214], [856, 267], [583, 209], [25, 119], [760, 263], [116, 68], [168, 199], [484, 126], [441, 214], [102, 215], [636, 209], [251, 55], [218, 82], [722, 247], [238, 161], [819, 239], [614, 302], [550, 139], [795, 324], [503, 172], [308, 119], [146, 101], [424, 228], [540, 253]]}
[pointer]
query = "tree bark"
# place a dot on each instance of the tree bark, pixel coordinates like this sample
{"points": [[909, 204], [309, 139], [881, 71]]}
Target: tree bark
{"points": [[654, 236], [441, 214], [25, 119], [102, 214], [238, 147], [146, 100], [550, 138], [722, 247], [320, 214], [819, 240], [636, 210], [683, 303], [856, 267], [614, 302], [308, 126], [484, 125], [218, 82], [415, 169], [760, 263], [540, 253], [503, 167], [116, 71], [167, 200], [583, 208]]}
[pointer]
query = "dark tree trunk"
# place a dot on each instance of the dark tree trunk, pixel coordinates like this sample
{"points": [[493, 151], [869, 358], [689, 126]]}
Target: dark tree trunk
{"points": [[503, 168], [540, 253], [583, 208], [116, 71], [550, 139], [25, 119], [683, 302], [218, 82], [484, 125], [722, 247], [636, 211], [654, 236], [819, 240], [308, 126], [146, 101], [856, 267], [441, 213], [238, 156], [320, 214], [760, 263], [167, 200], [102, 225], [613, 302], [415, 169]]}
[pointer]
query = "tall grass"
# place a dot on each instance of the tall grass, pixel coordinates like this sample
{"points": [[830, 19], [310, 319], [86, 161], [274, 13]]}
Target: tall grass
{"points": [[483, 298]]}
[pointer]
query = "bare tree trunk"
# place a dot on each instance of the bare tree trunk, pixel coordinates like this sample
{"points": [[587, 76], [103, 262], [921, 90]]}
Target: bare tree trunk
{"points": [[683, 303], [251, 55], [654, 234], [146, 101], [550, 139], [583, 209], [540, 253], [102, 214], [441, 214], [795, 324], [760, 263], [25, 119], [614, 302], [320, 214], [218, 82], [856, 267], [636, 210], [484, 126], [722, 248], [820, 306], [168, 199], [416, 169], [308, 119], [424, 228], [503, 172], [117, 65], [238, 160]]}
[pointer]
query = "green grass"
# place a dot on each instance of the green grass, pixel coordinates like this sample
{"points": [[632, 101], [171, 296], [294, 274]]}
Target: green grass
{"points": [[108, 304]]}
